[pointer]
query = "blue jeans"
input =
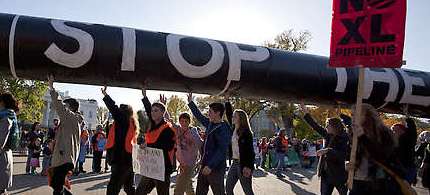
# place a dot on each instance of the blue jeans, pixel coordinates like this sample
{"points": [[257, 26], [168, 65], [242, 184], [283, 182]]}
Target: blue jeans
{"points": [[235, 174], [280, 157]]}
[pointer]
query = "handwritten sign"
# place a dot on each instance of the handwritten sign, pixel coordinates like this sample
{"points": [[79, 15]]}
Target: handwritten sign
{"points": [[148, 162]]}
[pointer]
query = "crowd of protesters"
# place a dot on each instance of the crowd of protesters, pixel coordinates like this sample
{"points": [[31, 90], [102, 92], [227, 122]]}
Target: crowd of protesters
{"points": [[388, 159]]}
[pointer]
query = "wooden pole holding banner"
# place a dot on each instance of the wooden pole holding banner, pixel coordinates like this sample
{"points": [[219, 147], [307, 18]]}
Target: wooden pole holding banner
{"points": [[357, 124]]}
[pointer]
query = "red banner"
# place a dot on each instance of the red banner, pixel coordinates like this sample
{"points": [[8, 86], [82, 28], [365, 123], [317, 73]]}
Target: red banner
{"points": [[368, 33]]}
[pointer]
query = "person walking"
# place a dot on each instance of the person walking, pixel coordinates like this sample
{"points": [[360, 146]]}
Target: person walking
{"points": [[217, 140], [8, 125], [160, 135], [406, 137], [34, 134], [122, 135], [243, 154], [264, 149], [98, 142], [188, 143], [82, 152], [66, 149], [331, 166], [280, 143], [48, 147]]}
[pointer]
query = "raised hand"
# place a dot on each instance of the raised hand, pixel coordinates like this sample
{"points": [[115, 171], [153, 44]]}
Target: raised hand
{"points": [[190, 97], [104, 90], [163, 99], [51, 82], [144, 88]]}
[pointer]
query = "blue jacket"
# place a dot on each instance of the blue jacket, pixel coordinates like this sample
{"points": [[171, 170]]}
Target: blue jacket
{"points": [[12, 116], [218, 138]]}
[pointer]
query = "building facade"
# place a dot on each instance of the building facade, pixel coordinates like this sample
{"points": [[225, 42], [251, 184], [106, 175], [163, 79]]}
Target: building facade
{"points": [[260, 122], [87, 107]]}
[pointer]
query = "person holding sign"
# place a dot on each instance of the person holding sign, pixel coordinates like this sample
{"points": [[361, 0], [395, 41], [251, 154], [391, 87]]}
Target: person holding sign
{"points": [[217, 140], [67, 143], [122, 136], [375, 155], [8, 124], [160, 135], [333, 155]]}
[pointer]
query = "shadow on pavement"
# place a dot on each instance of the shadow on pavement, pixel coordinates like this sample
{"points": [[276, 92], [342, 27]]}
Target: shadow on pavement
{"points": [[24, 182], [259, 173], [296, 189]]}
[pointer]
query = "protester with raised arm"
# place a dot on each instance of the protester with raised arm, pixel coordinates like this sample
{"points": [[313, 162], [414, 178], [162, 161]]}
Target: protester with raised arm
{"points": [[160, 135], [331, 167], [122, 136], [67, 142], [217, 140]]}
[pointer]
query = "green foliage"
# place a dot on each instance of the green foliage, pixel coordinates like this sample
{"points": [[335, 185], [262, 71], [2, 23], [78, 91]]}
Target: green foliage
{"points": [[303, 130], [102, 115], [290, 41], [29, 93], [176, 106]]}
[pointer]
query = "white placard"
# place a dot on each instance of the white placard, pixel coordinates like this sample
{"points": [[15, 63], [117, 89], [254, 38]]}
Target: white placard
{"points": [[148, 162]]}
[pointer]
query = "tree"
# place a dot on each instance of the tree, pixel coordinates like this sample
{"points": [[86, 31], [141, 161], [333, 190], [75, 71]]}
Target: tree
{"points": [[29, 93], [250, 106], [176, 106], [289, 41], [102, 115]]}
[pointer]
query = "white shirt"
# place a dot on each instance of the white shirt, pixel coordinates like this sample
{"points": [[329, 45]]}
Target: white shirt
{"points": [[235, 145]]}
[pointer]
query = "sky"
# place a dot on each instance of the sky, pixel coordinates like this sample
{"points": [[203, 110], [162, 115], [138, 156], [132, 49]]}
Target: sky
{"points": [[249, 22]]}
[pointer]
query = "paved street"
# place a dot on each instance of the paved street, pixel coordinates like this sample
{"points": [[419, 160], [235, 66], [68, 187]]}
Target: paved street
{"points": [[296, 181]]}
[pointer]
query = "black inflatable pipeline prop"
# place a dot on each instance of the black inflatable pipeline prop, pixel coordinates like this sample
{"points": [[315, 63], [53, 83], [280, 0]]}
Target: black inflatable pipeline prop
{"points": [[32, 48]]}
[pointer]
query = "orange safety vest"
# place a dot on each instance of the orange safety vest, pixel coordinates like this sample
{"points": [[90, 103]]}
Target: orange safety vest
{"points": [[152, 137], [130, 138]]}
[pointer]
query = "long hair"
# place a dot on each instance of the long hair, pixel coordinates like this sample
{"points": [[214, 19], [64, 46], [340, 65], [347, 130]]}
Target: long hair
{"points": [[127, 110], [243, 125], [377, 133]]}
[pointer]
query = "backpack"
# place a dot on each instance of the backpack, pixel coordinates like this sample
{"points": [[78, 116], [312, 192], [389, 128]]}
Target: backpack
{"points": [[14, 137]]}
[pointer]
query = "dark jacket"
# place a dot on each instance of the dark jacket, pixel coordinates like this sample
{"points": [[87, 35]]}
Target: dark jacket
{"points": [[218, 138], [406, 148], [117, 154], [166, 140], [246, 145], [332, 165], [426, 168]]}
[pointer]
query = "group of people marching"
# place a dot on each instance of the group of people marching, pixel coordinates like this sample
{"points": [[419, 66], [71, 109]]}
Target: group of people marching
{"points": [[385, 160], [183, 143]]}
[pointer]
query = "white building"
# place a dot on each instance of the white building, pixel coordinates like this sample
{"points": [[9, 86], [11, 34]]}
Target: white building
{"points": [[87, 107], [261, 121]]}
